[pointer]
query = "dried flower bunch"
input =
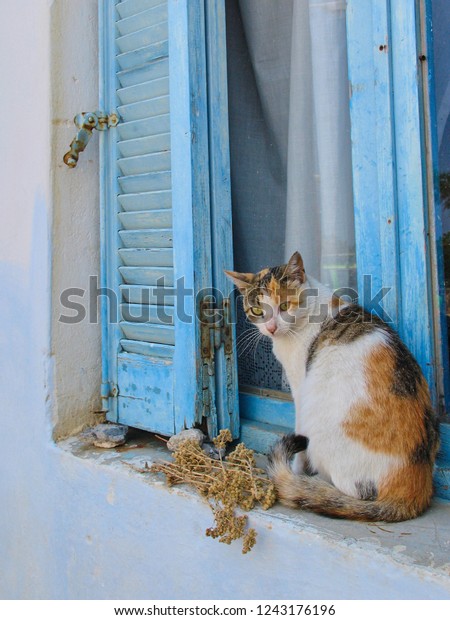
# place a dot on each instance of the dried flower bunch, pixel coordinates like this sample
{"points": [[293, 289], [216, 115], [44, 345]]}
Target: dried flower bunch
{"points": [[227, 484]]}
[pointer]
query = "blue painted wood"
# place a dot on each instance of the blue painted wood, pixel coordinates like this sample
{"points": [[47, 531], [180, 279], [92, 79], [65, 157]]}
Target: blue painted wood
{"points": [[144, 108], [142, 257], [145, 127], [135, 41], [142, 74], [145, 182], [191, 206], [156, 218], [132, 7], [391, 152], [147, 17], [388, 173], [148, 332], [156, 163], [372, 149], [139, 313], [416, 325], [158, 199], [146, 257], [145, 392], [110, 243], [134, 58], [142, 91], [149, 276], [140, 164], [221, 215], [434, 208], [442, 470], [149, 349], [162, 238], [266, 408], [259, 436], [138, 294], [145, 145]]}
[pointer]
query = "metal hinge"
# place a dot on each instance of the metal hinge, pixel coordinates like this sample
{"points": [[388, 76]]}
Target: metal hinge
{"points": [[108, 390], [216, 332], [86, 123]]}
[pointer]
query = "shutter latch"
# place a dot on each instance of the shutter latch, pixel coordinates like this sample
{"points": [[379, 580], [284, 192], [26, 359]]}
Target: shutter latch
{"points": [[86, 122]]}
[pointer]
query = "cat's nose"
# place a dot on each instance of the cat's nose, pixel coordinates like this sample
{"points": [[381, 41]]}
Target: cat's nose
{"points": [[271, 327]]}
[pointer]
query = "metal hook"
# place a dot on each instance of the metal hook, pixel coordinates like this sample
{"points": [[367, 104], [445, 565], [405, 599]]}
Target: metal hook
{"points": [[86, 123]]}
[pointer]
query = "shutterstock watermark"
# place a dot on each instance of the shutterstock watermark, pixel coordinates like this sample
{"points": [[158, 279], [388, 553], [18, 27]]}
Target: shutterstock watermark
{"points": [[162, 304]]}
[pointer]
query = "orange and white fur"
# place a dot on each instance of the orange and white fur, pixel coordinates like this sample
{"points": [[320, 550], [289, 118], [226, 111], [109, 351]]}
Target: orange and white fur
{"points": [[366, 434]]}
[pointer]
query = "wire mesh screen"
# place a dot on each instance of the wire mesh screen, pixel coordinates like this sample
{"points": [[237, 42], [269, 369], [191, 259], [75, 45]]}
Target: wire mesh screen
{"points": [[257, 365]]}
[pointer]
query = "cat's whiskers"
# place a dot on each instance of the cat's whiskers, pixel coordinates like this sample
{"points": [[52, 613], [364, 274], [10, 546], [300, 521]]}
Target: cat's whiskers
{"points": [[247, 341], [246, 334], [252, 346], [257, 341]]}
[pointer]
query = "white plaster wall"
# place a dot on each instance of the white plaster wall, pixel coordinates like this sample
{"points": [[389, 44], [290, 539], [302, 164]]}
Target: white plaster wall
{"points": [[71, 527], [25, 209], [76, 348]]}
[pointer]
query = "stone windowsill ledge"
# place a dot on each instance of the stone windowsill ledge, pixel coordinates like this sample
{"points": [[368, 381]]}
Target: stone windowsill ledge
{"points": [[423, 543]]}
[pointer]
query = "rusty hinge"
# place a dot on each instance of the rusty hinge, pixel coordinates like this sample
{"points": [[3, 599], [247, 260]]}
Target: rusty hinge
{"points": [[86, 123], [108, 390], [216, 332]]}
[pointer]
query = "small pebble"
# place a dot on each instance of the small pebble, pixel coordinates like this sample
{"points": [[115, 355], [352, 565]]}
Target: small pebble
{"points": [[194, 434], [106, 435], [213, 452]]}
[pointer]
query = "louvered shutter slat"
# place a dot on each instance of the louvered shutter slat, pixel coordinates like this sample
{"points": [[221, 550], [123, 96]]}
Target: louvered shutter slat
{"points": [[140, 39], [143, 109], [148, 349], [161, 199], [136, 313], [144, 146], [136, 58], [147, 238], [144, 90], [157, 218], [144, 127], [145, 182], [139, 257], [140, 20], [132, 7], [148, 333], [145, 295], [149, 276], [142, 74], [141, 164]]}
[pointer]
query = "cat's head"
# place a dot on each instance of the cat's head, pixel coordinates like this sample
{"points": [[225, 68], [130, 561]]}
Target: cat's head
{"points": [[272, 297]]}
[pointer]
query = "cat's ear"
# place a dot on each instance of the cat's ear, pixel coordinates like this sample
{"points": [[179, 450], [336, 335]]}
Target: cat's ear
{"points": [[295, 268], [241, 280]]}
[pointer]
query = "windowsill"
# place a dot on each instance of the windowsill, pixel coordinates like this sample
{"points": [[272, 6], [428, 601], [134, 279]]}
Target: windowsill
{"points": [[423, 543]]}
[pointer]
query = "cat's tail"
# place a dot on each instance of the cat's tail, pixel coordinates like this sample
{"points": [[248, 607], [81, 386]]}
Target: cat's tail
{"points": [[312, 493]]}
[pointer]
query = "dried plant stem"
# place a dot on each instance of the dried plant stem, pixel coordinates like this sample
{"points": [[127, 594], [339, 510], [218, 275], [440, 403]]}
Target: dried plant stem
{"points": [[227, 485]]}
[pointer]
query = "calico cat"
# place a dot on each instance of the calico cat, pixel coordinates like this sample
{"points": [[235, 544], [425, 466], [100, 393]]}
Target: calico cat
{"points": [[364, 419]]}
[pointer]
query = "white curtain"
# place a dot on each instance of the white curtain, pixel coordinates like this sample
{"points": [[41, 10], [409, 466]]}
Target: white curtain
{"points": [[293, 89], [290, 146]]}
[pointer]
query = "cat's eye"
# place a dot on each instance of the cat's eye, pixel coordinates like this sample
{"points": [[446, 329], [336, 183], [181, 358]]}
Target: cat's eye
{"points": [[256, 311], [284, 306]]}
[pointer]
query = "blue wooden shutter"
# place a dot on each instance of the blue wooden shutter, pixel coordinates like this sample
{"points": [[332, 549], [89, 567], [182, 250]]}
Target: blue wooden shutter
{"points": [[393, 181], [155, 200], [389, 170]]}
